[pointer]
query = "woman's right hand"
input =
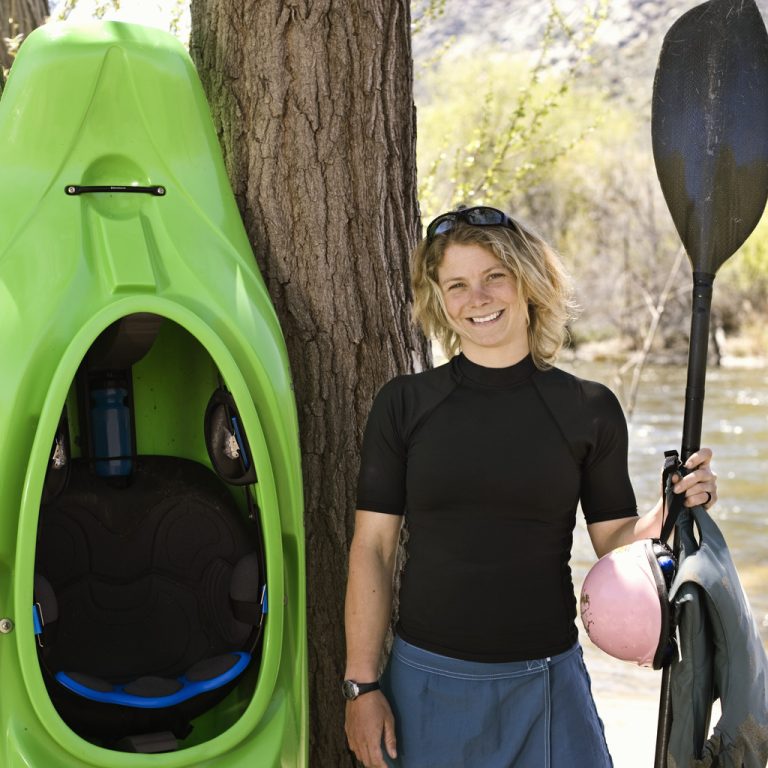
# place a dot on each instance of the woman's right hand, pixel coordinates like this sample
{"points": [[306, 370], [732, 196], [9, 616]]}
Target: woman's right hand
{"points": [[369, 721]]}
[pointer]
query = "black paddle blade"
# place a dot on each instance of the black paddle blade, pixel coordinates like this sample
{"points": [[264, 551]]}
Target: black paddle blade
{"points": [[710, 127]]}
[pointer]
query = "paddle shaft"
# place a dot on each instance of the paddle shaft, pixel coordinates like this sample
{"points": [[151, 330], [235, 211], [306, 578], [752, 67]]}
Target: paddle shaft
{"points": [[664, 727], [697, 363], [698, 347]]}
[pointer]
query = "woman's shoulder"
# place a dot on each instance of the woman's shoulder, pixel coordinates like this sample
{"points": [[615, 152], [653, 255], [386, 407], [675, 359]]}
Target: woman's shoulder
{"points": [[588, 412], [427, 381], [409, 397], [585, 392]]}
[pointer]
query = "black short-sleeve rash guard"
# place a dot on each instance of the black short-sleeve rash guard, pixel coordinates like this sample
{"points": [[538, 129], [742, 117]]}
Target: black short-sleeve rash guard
{"points": [[489, 465]]}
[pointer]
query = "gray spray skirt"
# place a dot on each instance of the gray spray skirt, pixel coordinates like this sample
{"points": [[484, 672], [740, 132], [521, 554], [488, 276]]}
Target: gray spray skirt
{"points": [[722, 656]]}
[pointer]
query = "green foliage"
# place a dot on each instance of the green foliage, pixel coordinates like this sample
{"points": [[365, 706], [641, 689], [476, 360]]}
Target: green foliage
{"points": [[494, 124], [100, 8], [750, 265], [742, 283], [549, 144], [425, 11], [542, 137], [175, 24], [172, 15]]}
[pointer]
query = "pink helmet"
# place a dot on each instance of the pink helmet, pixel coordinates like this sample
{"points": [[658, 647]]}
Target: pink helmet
{"points": [[625, 605]]}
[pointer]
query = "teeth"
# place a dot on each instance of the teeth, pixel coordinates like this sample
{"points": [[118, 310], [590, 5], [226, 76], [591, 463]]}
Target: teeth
{"points": [[486, 319]]}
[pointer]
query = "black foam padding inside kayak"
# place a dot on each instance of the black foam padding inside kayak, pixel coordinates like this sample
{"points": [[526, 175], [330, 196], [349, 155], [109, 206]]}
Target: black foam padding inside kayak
{"points": [[143, 574]]}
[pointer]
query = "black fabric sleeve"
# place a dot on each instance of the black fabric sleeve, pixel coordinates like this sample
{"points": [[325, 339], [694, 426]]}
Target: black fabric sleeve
{"points": [[606, 490], [383, 464]]}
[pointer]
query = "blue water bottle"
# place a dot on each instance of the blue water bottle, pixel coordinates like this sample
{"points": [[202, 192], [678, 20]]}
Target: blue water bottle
{"points": [[111, 430]]}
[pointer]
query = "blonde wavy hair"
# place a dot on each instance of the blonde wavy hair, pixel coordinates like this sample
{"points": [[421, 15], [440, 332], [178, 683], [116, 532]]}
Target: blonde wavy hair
{"points": [[543, 286]]}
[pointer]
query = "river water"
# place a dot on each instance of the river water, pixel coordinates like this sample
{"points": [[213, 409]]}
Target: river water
{"points": [[736, 428]]}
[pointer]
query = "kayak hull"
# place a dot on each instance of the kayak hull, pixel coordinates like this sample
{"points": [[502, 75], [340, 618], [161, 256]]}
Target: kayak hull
{"points": [[128, 110]]}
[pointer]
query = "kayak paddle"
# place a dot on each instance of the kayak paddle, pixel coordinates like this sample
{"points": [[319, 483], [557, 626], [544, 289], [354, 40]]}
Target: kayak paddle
{"points": [[710, 146]]}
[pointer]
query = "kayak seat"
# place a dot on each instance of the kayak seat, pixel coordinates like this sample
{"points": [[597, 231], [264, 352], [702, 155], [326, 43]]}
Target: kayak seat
{"points": [[148, 598]]}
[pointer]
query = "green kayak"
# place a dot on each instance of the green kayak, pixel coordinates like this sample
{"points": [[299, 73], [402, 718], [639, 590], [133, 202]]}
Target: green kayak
{"points": [[152, 578]]}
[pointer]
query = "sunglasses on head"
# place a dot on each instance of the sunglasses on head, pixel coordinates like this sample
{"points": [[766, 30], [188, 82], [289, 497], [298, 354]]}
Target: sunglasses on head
{"points": [[479, 216]]}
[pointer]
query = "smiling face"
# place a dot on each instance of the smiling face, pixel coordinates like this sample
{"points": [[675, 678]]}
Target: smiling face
{"points": [[483, 307]]}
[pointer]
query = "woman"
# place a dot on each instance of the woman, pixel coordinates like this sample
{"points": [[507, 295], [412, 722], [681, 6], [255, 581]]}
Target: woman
{"points": [[487, 458]]}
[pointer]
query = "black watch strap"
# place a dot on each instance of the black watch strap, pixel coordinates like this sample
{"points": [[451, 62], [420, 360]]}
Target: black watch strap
{"points": [[352, 689]]}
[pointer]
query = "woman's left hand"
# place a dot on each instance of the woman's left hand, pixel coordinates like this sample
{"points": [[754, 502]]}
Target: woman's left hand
{"points": [[700, 483]]}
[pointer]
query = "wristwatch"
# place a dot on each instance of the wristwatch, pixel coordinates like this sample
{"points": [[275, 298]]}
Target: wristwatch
{"points": [[352, 689]]}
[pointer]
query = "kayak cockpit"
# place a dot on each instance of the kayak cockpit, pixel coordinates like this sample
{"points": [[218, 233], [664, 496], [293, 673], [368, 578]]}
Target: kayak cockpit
{"points": [[150, 576]]}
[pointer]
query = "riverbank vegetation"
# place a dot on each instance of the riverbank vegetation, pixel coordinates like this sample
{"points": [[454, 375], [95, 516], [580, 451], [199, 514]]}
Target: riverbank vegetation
{"points": [[550, 136]]}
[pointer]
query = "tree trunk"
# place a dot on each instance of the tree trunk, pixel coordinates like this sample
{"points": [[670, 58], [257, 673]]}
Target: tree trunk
{"points": [[313, 102], [18, 17]]}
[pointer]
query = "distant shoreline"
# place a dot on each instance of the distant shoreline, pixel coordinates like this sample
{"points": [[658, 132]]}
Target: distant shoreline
{"points": [[739, 351], [736, 352]]}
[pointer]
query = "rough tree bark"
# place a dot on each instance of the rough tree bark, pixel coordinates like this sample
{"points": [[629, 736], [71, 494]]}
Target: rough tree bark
{"points": [[313, 102], [18, 17]]}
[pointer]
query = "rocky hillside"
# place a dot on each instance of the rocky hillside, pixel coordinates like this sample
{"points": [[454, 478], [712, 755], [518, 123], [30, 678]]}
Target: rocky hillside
{"points": [[627, 43]]}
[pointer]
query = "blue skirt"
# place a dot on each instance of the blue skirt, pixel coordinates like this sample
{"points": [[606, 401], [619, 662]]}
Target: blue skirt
{"points": [[451, 713]]}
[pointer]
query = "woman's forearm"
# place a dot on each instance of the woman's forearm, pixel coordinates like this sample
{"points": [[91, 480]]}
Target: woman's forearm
{"points": [[622, 532], [368, 608]]}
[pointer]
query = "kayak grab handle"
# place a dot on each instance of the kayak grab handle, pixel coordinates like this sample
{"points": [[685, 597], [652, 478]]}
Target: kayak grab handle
{"points": [[76, 189]]}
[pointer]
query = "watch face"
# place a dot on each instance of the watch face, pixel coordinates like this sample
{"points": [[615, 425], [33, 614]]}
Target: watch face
{"points": [[350, 690]]}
